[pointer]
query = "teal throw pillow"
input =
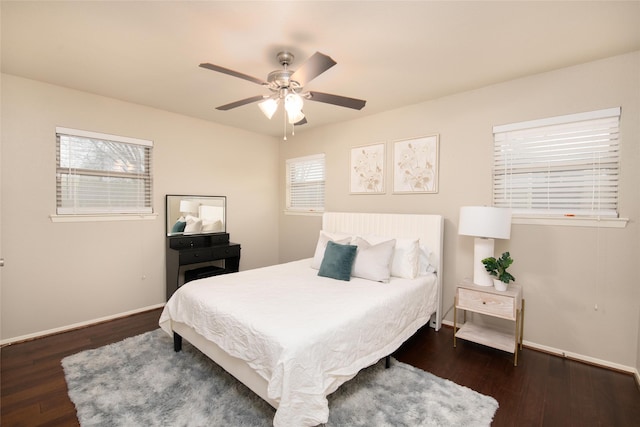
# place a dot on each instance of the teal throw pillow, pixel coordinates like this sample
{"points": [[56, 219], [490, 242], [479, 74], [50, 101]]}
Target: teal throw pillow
{"points": [[338, 261], [178, 227]]}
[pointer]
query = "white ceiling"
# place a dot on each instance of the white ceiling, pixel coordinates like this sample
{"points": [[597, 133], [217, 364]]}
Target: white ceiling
{"points": [[390, 53]]}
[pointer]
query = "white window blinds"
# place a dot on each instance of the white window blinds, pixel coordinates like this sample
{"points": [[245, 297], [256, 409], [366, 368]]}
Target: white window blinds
{"points": [[305, 183], [560, 166], [102, 174]]}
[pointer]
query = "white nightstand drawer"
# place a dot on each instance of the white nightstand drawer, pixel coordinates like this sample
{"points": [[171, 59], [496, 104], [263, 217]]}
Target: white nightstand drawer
{"points": [[503, 306]]}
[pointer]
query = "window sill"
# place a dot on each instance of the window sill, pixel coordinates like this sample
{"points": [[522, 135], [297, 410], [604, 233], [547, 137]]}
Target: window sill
{"points": [[308, 213], [103, 217], [572, 221]]}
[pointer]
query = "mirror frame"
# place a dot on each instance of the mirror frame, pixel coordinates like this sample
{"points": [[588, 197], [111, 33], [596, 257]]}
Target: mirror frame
{"points": [[173, 213]]}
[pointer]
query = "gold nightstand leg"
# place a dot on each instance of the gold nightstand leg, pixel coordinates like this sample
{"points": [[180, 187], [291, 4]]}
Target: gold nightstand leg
{"points": [[455, 317], [517, 338], [522, 324]]}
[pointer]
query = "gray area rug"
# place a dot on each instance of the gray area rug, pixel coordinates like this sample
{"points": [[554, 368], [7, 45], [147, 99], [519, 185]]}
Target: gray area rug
{"points": [[141, 381]]}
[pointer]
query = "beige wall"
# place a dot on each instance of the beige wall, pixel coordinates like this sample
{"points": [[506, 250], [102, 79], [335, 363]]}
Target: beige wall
{"points": [[565, 271], [59, 274]]}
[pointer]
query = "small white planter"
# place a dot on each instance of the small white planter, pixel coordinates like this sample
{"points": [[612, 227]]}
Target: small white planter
{"points": [[499, 285]]}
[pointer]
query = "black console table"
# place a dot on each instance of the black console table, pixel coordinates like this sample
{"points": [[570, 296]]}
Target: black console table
{"points": [[191, 250]]}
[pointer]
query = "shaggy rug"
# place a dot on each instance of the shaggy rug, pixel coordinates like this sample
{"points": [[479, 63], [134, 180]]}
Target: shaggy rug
{"points": [[141, 381]]}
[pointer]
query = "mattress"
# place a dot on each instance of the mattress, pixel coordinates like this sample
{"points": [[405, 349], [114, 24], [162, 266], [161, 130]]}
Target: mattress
{"points": [[305, 335]]}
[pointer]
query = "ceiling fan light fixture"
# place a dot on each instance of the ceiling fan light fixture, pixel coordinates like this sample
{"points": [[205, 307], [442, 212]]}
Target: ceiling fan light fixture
{"points": [[287, 86], [295, 117], [293, 104], [268, 107]]}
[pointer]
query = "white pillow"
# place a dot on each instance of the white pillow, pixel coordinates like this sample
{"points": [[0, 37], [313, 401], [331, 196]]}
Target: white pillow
{"points": [[323, 238], [373, 262], [428, 262], [405, 256], [194, 225], [211, 226]]}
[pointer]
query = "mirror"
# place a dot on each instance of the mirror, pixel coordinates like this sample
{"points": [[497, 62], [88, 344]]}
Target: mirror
{"points": [[188, 215]]}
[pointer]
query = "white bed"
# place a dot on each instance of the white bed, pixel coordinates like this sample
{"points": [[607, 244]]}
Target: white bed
{"points": [[293, 336]]}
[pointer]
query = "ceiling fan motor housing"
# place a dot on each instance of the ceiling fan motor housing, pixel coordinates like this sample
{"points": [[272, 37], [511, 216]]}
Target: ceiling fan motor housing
{"points": [[279, 79]]}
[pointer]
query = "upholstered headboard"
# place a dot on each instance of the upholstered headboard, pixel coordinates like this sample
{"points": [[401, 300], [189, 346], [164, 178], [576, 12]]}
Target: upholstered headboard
{"points": [[429, 228]]}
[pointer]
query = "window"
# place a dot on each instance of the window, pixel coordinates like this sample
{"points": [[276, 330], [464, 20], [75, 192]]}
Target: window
{"points": [[305, 184], [560, 166], [102, 174]]}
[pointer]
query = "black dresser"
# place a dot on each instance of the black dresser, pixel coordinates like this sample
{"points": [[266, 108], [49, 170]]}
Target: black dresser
{"points": [[184, 251]]}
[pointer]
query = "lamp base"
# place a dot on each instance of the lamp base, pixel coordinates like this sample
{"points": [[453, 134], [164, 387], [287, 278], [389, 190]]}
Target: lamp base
{"points": [[483, 248]]}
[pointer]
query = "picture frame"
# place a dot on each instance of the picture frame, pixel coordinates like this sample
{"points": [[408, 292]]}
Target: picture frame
{"points": [[415, 165], [367, 169]]}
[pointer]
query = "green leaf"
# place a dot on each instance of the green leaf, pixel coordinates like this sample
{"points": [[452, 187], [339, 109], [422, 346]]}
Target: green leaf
{"points": [[498, 267]]}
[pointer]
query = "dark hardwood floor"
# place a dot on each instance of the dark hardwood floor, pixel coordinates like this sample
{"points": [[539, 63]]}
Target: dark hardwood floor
{"points": [[543, 390]]}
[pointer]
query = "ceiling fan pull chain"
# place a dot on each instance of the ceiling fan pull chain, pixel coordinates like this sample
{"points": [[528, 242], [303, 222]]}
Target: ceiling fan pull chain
{"points": [[284, 115]]}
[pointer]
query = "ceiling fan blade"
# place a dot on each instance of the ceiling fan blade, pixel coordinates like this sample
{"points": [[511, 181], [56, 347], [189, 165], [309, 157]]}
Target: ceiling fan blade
{"points": [[301, 122], [317, 64], [240, 103], [342, 101], [233, 73]]}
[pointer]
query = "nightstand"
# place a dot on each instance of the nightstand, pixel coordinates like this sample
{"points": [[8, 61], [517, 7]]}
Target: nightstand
{"points": [[487, 301]]}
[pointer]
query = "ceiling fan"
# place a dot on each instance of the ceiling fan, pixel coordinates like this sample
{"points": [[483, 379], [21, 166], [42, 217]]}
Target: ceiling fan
{"points": [[287, 87]]}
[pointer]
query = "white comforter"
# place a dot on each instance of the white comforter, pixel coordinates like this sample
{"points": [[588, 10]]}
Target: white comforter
{"points": [[304, 334]]}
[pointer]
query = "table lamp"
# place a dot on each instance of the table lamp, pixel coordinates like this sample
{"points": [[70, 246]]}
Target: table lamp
{"points": [[188, 207], [485, 223]]}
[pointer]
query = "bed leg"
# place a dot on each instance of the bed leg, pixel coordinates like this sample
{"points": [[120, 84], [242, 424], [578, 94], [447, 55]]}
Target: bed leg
{"points": [[177, 342], [387, 362]]}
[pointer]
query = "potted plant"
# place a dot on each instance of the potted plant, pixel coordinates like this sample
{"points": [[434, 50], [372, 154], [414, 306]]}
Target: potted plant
{"points": [[498, 269]]}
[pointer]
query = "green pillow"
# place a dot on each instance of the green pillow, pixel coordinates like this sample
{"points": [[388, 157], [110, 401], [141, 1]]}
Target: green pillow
{"points": [[179, 226], [338, 261]]}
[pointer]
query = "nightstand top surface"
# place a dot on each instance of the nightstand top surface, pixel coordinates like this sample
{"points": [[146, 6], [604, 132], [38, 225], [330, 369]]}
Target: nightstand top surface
{"points": [[512, 289]]}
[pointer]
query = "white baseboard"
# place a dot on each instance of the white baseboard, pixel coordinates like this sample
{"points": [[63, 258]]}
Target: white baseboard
{"points": [[66, 328], [575, 356]]}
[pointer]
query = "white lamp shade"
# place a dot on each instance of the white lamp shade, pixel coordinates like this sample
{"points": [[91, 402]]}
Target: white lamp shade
{"points": [[187, 206], [485, 221]]}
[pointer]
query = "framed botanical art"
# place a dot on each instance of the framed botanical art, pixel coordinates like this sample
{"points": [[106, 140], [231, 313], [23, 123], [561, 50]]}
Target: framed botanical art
{"points": [[415, 165], [367, 169]]}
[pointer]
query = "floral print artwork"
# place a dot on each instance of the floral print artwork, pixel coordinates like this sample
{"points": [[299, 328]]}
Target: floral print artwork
{"points": [[367, 169], [416, 165]]}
